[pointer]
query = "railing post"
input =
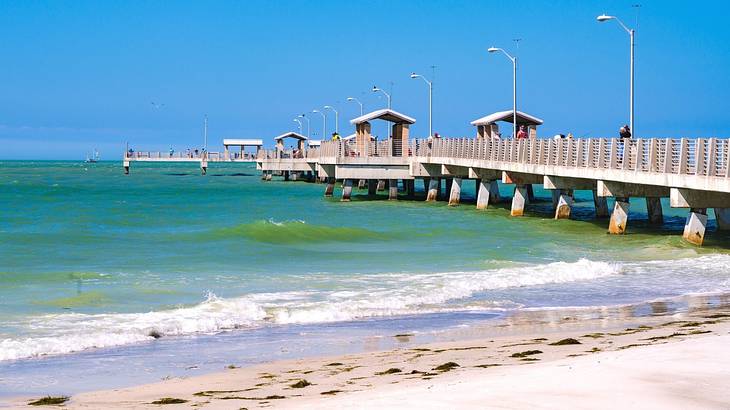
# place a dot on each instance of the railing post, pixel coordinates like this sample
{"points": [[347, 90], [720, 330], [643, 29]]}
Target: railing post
{"points": [[613, 158], [700, 156], [683, 156], [711, 157]]}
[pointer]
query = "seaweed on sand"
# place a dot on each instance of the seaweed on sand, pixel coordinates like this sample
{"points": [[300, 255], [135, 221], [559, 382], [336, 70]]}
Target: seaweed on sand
{"points": [[446, 367], [392, 370], [300, 384], [526, 353], [568, 341], [169, 400], [49, 400]]}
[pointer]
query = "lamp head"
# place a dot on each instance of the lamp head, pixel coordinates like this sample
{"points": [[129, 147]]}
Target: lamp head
{"points": [[375, 88], [604, 17], [327, 107], [315, 110], [492, 49], [350, 99], [414, 75]]}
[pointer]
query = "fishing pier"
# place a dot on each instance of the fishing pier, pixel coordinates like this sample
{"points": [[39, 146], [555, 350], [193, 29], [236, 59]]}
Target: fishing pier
{"points": [[692, 173]]}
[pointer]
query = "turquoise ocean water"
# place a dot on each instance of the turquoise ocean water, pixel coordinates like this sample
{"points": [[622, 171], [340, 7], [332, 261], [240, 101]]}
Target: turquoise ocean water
{"points": [[95, 261]]}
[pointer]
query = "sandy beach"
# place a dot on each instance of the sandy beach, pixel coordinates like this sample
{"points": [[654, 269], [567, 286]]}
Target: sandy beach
{"points": [[583, 358]]}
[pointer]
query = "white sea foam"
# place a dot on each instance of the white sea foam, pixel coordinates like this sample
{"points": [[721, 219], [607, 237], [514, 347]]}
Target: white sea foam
{"points": [[349, 298]]}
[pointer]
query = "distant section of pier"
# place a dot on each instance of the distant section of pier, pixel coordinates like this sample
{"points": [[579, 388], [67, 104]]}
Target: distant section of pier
{"points": [[692, 173]]}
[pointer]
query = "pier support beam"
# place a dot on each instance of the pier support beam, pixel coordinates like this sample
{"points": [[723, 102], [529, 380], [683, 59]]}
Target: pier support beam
{"points": [[329, 190], [565, 201], [619, 217], [372, 187], [494, 197], [654, 210], [426, 183], [483, 193], [601, 205], [286, 175], [346, 190], [393, 190], [519, 200], [455, 193], [125, 164], [434, 186], [381, 185], [694, 228], [269, 175], [530, 193], [203, 167], [410, 185], [722, 217], [361, 184]]}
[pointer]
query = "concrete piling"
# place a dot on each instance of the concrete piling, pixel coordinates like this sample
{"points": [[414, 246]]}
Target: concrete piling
{"points": [[372, 187], [329, 190], [455, 192], [381, 185], [426, 183], [565, 201], [519, 200], [434, 185], [694, 228], [494, 197], [654, 210], [722, 217], [482, 189], [361, 184], [286, 175], [601, 205], [346, 190], [556, 198], [530, 193], [269, 175], [619, 216], [449, 182], [393, 190], [410, 185]]}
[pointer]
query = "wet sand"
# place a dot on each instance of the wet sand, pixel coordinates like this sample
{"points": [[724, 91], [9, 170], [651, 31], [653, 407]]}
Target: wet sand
{"points": [[567, 358]]}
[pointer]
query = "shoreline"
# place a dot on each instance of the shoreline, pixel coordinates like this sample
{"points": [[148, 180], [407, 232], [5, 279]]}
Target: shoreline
{"points": [[478, 351]]}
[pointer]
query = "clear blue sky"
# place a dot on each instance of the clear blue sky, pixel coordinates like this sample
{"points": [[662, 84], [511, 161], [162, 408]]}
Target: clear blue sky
{"points": [[78, 75]]}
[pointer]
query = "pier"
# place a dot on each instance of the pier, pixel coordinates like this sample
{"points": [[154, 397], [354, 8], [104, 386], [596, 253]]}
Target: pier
{"points": [[692, 173]]}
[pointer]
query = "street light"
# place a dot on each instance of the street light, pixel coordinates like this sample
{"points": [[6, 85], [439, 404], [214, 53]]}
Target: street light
{"points": [[306, 118], [324, 123], [337, 119], [376, 89], [632, 33], [300, 124], [514, 87], [430, 101], [357, 101]]}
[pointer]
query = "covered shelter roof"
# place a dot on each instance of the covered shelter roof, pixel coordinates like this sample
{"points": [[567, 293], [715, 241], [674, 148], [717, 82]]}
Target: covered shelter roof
{"points": [[291, 134], [243, 142], [507, 116], [385, 114], [353, 136]]}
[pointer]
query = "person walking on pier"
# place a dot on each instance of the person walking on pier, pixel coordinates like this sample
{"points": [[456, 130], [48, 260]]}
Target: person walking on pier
{"points": [[521, 133], [624, 132]]}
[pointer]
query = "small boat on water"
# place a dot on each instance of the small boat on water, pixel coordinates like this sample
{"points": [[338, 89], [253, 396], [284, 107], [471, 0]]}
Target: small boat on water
{"points": [[92, 158]]}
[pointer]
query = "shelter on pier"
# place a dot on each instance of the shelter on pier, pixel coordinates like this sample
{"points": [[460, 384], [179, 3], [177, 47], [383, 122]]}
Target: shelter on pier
{"points": [[401, 123], [487, 126], [293, 135], [243, 144]]}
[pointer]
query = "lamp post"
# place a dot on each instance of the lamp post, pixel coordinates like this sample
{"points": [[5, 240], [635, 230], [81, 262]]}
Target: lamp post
{"points": [[376, 89], [514, 87], [306, 118], [337, 119], [357, 101], [632, 33], [430, 102], [300, 124], [205, 133], [324, 123]]}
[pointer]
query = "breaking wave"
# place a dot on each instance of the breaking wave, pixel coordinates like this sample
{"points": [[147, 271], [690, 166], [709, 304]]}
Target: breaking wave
{"points": [[355, 297]]}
